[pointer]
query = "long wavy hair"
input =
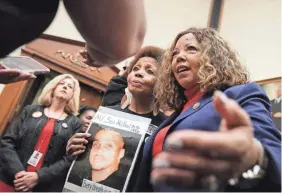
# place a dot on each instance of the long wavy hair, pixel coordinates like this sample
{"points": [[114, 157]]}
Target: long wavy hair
{"points": [[46, 95], [219, 68]]}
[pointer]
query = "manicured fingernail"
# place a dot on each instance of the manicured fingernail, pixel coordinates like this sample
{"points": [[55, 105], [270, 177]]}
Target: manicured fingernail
{"points": [[221, 96], [172, 144], [160, 163], [33, 76], [157, 179]]}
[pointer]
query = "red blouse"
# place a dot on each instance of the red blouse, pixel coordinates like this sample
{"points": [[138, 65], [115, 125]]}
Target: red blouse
{"points": [[43, 143], [192, 96]]}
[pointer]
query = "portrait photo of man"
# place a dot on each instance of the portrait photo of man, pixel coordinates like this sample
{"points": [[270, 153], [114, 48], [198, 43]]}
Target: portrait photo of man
{"points": [[276, 108], [105, 155], [107, 159]]}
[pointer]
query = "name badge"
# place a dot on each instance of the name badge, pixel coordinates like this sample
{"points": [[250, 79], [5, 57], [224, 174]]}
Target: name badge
{"points": [[35, 158]]}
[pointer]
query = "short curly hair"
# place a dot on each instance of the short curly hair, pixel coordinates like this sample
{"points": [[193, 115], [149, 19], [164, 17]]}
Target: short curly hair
{"points": [[219, 68], [148, 51]]}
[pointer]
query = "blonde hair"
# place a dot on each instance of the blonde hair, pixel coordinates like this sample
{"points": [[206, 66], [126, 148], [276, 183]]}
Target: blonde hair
{"points": [[45, 97], [219, 68]]}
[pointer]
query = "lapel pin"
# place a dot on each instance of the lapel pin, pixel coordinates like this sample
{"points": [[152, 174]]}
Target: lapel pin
{"points": [[64, 125], [196, 105], [37, 114]]}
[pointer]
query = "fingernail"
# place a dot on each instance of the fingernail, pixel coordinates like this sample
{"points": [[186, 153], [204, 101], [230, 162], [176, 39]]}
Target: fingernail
{"points": [[156, 179], [221, 96], [33, 76], [88, 134], [173, 144], [160, 163]]}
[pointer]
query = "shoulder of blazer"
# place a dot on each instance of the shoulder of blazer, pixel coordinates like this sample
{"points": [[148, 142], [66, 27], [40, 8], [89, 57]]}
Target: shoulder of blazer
{"points": [[72, 119], [245, 88], [249, 89], [31, 108]]}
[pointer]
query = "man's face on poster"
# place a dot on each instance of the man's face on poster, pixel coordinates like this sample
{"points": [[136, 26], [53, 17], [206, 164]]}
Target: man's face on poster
{"points": [[107, 150]]}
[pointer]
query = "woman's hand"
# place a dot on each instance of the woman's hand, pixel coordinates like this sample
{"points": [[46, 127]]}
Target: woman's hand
{"points": [[76, 144], [125, 69], [197, 156], [13, 75], [87, 59], [25, 181]]}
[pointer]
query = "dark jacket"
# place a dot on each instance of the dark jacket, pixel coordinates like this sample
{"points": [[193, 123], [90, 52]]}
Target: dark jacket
{"points": [[254, 101], [115, 91], [112, 99], [17, 145]]}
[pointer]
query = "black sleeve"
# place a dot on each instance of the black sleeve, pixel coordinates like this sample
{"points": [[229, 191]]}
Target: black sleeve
{"points": [[8, 145], [47, 174], [115, 91]]}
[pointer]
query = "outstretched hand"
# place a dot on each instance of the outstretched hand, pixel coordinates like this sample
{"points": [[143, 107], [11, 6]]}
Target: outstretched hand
{"points": [[196, 156]]}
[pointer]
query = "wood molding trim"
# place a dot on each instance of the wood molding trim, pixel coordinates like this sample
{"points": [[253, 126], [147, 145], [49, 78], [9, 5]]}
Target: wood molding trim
{"points": [[61, 55], [56, 66], [72, 42], [270, 80]]}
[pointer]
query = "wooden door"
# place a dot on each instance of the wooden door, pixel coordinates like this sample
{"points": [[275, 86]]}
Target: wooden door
{"points": [[9, 99]]}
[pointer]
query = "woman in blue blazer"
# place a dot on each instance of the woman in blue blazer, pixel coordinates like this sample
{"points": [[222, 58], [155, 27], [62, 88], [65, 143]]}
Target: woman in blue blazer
{"points": [[218, 141]]}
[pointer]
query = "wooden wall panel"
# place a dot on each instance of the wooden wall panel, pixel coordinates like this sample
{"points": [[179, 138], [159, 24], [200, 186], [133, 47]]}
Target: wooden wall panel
{"points": [[61, 56], [8, 102]]}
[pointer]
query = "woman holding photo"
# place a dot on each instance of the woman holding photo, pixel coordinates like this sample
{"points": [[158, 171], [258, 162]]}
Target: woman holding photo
{"points": [[138, 101]]}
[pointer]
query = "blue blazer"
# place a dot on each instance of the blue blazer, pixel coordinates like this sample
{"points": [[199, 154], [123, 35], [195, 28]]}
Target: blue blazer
{"points": [[255, 102]]}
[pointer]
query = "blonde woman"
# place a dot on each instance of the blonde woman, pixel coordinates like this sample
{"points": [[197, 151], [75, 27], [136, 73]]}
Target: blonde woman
{"points": [[33, 149]]}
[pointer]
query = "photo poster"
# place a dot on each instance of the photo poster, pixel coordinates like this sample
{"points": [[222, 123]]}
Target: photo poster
{"points": [[111, 153], [273, 90]]}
